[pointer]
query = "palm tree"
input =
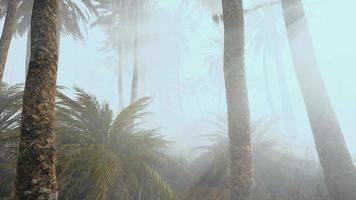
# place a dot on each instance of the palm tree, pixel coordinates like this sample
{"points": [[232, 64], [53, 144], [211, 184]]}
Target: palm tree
{"points": [[135, 72], [264, 27], [83, 127], [122, 17], [216, 12], [237, 101], [106, 157], [335, 159], [73, 18], [120, 82], [279, 174], [7, 33], [138, 8], [115, 47], [36, 174], [267, 28], [112, 17]]}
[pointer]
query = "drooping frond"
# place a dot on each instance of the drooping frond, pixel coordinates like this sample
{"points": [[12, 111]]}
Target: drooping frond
{"points": [[83, 118], [74, 16], [104, 173], [99, 154], [10, 106], [23, 16], [157, 183], [130, 116]]}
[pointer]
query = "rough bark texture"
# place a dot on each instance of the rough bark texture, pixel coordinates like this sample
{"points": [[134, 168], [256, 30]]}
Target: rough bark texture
{"points": [[237, 101], [339, 171], [217, 18], [59, 22], [36, 162], [7, 33]]}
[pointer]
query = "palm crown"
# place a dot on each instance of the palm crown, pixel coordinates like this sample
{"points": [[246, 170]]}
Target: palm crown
{"points": [[74, 16], [108, 153]]}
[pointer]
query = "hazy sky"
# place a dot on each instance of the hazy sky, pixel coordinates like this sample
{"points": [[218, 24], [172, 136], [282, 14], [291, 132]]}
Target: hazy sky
{"points": [[181, 60]]}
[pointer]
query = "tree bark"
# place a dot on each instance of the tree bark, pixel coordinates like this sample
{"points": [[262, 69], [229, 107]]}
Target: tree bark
{"points": [[217, 18], [36, 177], [339, 171], [59, 21], [237, 101], [58, 24], [7, 33]]}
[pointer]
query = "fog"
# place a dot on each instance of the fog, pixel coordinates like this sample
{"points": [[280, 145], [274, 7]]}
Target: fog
{"points": [[181, 68]]}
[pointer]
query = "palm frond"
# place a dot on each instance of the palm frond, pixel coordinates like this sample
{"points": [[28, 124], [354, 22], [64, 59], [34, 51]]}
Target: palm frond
{"points": [[106, 171], [98, 152], [127, 119], [157, 182]]}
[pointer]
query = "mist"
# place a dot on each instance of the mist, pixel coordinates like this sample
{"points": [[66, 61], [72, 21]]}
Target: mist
{"points": [[180, 59]]}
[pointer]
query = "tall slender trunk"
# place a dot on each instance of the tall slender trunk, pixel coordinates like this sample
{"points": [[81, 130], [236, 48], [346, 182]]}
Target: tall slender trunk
{"points": [[237, 101], [339, 171], [28, 51], [7, 33], [28, 48], [134, 83], [36, 177], [120, 88]]}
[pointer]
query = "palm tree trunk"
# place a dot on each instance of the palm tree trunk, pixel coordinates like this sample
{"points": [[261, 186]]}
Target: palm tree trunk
{"points": [[36, 177], [7, 32], [134, 83], [339, 171], [59, 24], [120, 88], [28, 51], [237, 101]]}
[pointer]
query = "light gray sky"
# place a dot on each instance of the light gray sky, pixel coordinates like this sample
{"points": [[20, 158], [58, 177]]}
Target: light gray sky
{"points": [[182, 64]]}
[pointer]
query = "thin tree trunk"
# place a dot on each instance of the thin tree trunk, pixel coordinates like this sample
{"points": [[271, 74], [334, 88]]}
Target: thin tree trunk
{"points": [[36, 174], [339, 171], [120, 88], [7, 33], [134, 84], [237, 101], [28, 51]]}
